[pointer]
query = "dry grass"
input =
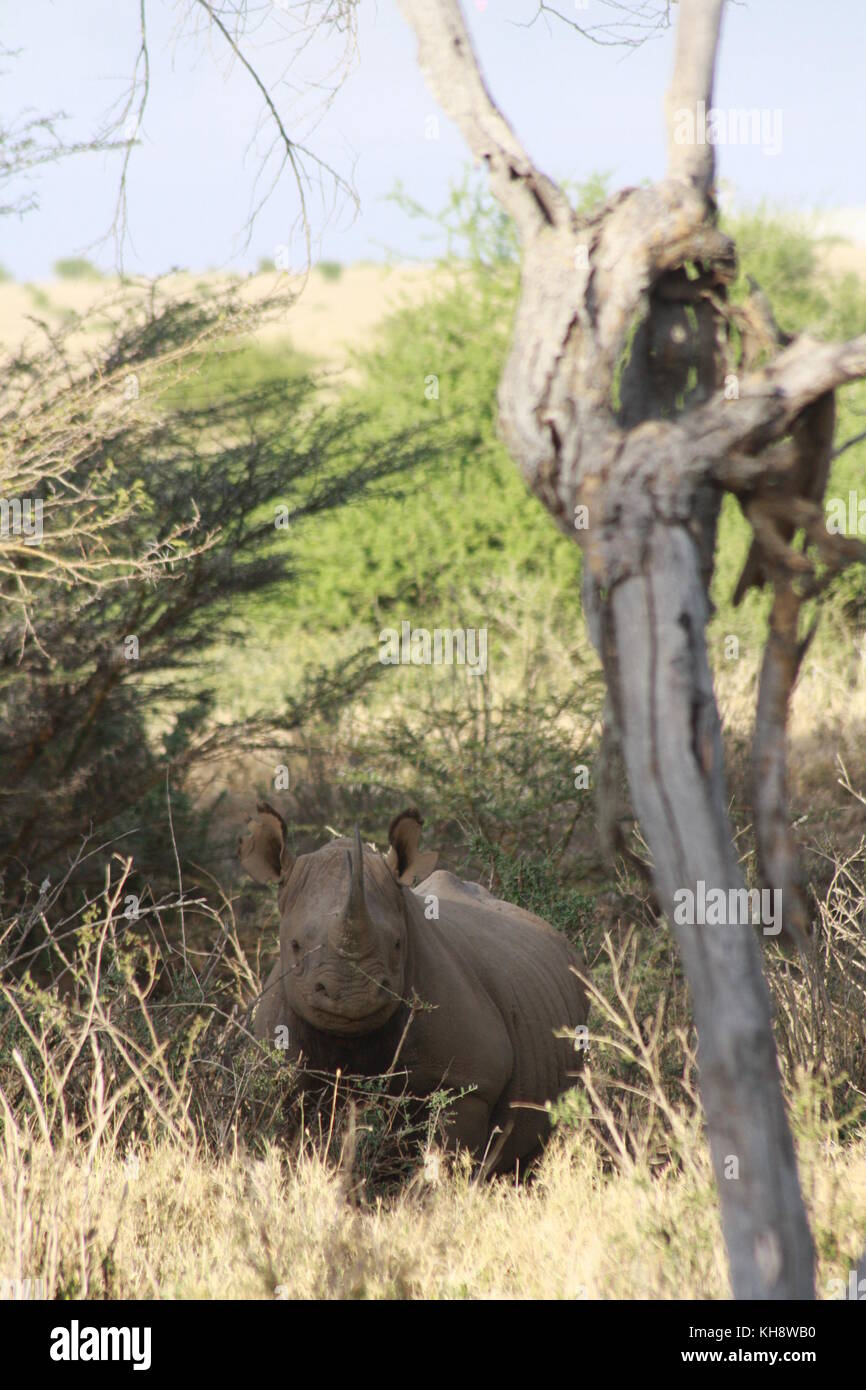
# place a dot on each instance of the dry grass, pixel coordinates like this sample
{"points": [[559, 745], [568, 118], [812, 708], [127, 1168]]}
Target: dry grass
{"points": [[172, 1223], [177, 1225], [145, 1149]]}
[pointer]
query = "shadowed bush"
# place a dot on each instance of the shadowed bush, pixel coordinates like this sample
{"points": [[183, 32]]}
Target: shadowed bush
{"points": [[166, 498]]}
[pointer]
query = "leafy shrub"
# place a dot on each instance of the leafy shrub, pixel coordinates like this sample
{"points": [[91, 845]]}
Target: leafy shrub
{"points": [[159, 492], [76, 268]]}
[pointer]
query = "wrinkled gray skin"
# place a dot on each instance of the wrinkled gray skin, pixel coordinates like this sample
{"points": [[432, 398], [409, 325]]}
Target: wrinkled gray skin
{"points": [[354, 950]]}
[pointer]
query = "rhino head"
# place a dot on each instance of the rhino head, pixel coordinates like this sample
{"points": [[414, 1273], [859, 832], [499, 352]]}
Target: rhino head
{"points": [[343, 937]]}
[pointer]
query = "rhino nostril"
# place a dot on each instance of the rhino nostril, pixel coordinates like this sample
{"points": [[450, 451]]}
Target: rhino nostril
{"points": [[320, 989]]}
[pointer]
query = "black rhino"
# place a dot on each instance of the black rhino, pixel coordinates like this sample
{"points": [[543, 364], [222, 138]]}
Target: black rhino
{"points": [[358, 942]]}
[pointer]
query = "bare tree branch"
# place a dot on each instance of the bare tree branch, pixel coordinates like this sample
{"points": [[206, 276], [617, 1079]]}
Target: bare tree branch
{"points": [[691, 91], [448, 61], [29, 143], [119, 224], [294, 153], [849, 444], [769, 400], [639, 21]]}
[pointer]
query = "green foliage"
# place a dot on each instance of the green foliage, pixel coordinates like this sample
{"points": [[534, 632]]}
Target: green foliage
{"points": [[588, 195], [183, 476], [536, 885], [490, 755], [477, 231], [329, 270], [38, 297], [779, 253], [478, 234], [76, 268], [466, 514]]}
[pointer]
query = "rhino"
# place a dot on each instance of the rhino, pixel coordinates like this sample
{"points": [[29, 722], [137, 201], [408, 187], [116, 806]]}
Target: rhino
{"points": [[468, 990]]}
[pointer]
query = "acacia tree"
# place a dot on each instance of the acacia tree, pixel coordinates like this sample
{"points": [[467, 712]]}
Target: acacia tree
{"points": [[624, 403]]}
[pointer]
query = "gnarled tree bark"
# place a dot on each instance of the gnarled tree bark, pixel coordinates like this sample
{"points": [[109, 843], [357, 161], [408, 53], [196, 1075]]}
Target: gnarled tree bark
{"points": [[631, 302]]}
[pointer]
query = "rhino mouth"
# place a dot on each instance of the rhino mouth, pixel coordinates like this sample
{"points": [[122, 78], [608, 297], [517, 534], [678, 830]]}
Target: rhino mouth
{"points": [[337, 1019], [355, 1015]]}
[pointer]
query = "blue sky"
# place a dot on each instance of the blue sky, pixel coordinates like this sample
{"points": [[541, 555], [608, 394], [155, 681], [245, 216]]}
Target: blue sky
{"points": [[578, 108]]}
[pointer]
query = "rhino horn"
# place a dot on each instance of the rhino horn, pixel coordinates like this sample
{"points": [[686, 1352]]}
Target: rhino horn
{"points": [[354, 927]]}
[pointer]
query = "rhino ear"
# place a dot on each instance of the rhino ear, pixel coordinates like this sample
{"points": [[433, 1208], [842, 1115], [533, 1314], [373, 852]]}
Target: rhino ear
{"points": [[263, 852], [403, 859]]}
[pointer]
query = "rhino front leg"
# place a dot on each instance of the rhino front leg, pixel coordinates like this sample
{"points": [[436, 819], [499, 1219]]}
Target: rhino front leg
{"points": [[467, 1125]]}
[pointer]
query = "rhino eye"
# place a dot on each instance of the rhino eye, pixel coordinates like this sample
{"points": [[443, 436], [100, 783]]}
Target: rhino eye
{"points": [[296, 946]]}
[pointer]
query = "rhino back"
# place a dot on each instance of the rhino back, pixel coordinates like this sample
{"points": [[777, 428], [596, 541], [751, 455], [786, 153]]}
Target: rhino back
{"points": [[523, 967]]}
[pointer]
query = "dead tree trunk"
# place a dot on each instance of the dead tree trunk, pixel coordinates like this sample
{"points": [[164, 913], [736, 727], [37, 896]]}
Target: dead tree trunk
{"points": [[611, 405]]}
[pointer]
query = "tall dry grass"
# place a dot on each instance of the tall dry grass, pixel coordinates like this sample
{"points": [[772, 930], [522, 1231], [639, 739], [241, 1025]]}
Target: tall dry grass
{"points": [[152, 1149]]}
